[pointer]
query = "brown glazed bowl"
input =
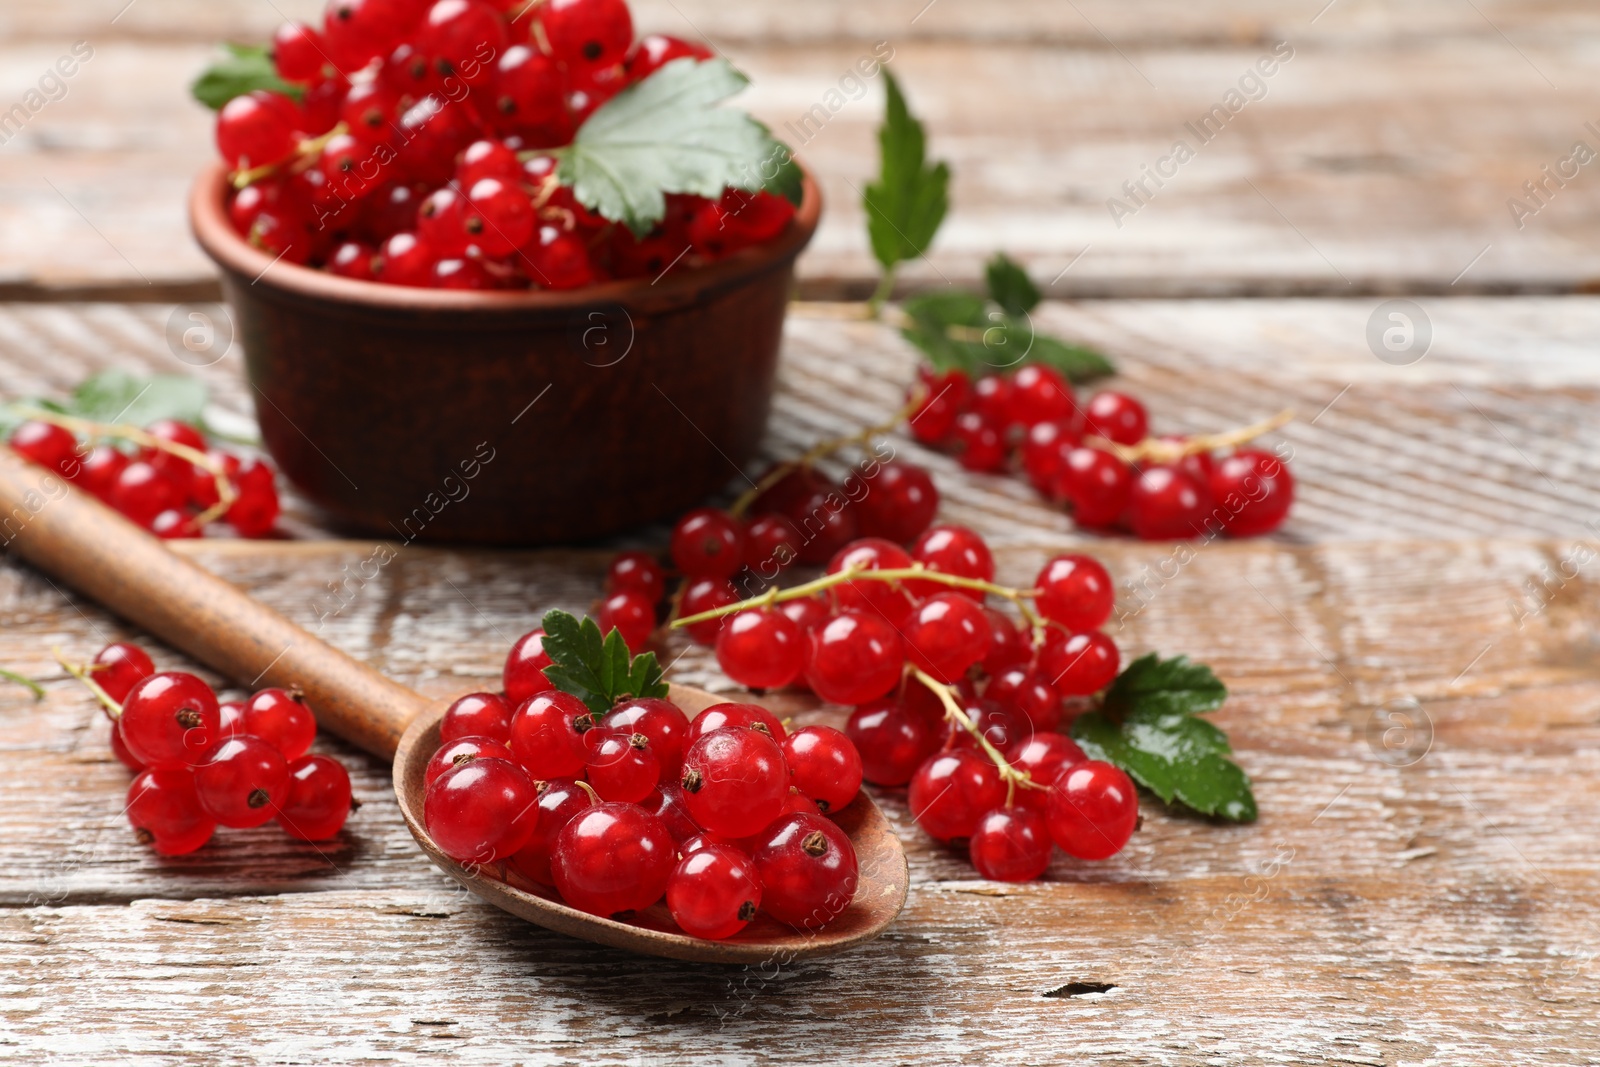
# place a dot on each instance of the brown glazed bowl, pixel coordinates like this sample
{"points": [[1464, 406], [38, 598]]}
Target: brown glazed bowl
{"points": [[520, 418]]}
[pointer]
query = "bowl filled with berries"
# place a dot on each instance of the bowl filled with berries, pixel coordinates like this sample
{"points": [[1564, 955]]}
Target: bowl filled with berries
{"points": [[500, 274]]}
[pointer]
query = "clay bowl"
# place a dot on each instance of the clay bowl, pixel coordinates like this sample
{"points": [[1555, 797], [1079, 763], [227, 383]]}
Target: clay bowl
{"points": [[520, 418]]}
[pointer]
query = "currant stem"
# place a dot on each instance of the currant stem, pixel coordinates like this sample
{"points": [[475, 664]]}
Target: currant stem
{"points": [[113, 709], [954, 712], [894, 574], [33, 686], [1154, 448], [88, 428], [881, 294], [304, 150]]}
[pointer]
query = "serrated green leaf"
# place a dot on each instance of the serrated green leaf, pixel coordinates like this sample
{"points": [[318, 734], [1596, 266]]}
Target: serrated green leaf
{"points": [[788, 181], [1010, 286], [246, 69], [1151, 684], [667, 135], [908, 202], [1175, 757], [598, 671], [116, 396]]}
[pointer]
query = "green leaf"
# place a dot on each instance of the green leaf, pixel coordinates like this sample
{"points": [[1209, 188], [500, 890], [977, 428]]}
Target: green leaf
{"points": [[788, 182], [597, 671], [1075, 362], [667, 135], [246, 69], [1147, 726], [932, 318], [907, 203], [1010, 286], [119, 397]]}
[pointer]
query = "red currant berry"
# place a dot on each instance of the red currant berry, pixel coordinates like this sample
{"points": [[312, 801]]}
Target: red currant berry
{"points": [[559, 260], [230, 718], [622, 768], [46, 444], [1092, 810], [637, 572], [944, 397], [808, 612], [481, 811], [613, 858], [142, 492], [255, 512], [819, 509], [318, 802], [488, 158], [281, 719], [854, 658], [586, 33], [173, 432], [951, 791], [499, 216], [1044, 453], [761, 649], [523, 676], [99, 470], [1117, 417], [1096, 485], [1043, 757], [1009, 645], [119, 749], [630, 613], [734, 781], [441, 222], [991, 399], [771, 545], [462, 39], [824, 766], [721, 716], [707, 594], [117, 668], [477, 715], [666, 803], [808, 871], [297, 52], [662, 721], [795, 803], [527, 90], [1038, 394], [559, 801], [900, 503], [1080, 664], [242, 782], [454, 753], [358, 31], [708, 543], [1023, 691], [352, 259], [952, 550], [255, 129], [547, 735], [654, 51], [981, 447], [166, 813], [946, 635], [1002, 727], [404, 259], [1168, 505], [869, 596], [1011, 845], [1254, 490], [172, 525], [714, 892], [170, 720], [892, 741], [1076, 592], [462, 275]]}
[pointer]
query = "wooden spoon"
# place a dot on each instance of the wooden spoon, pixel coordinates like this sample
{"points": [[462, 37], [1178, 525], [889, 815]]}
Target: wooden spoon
{"points": [[70, 535]]}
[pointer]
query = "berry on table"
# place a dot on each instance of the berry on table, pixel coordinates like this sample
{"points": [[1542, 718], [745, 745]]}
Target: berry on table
{"points": [[165, 812], [170, 720], [951, 792], [242, 782], [854, 658], [1253, 490], [117, 668], [888, 599], [1039, 394], [900, 502], [632, 614], [1095, 485], [1092, 810], [637, 572], [979, 441], [1011, 845], [707, 594], [318, 800], [952, 550], [771, 544], [1168, 504], [1044, 756], [283, 720], [1079, 665], [1076, 592], [1116, 417], [708, 543], [761, 649], [892, 741], [945, 635]]}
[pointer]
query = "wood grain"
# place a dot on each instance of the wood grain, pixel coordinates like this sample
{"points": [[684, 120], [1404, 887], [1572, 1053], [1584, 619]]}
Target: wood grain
{"points": [[1369, 917]]}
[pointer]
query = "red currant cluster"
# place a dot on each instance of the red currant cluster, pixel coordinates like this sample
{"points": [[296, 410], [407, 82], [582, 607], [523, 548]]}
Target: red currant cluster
{"points": [[201, 764], [417, 153], [724, 816], [173, 485], [1098, 458]]}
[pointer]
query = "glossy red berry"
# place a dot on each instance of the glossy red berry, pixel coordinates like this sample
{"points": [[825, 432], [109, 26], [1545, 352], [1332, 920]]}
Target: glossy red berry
{"points": [[1045, 448], [613, 858], [892, 741], [170, 720], [1076, 592], [117, 668], [946, 635], [1079, 665], [165, 812], [230, 718], [558, 260], [900, 503], [622, 768], [242, 782], [1009, 644], [707, 594], [991, 399], [824, 766], [462, 274], [462, 39], [255, 129], [661, 721], [499, 216], [404, 259], [761, 648], [586, 33], [1002, 727], [1011, 845], [119, 749], [730, 713], [1025, 692], [979, 442], [944, 398], [547, 735], [560, 799], [1116, 417], [808, 871], [487, 158], [771, 545], [654, 51], [666, 803], [708, 543], [352, 259], [632, 614], [1092, 810], [297, 52], [527, 89], [953, 550], [1253, 491], [734, 781], [1043, 757], [870, 596], [637, 572], [854, 658], [481, 811], [1039, 394], [255, 512], [458, 751], [98, 471], [1096, 485], [820, 510], [283, 720], [48, 445], [950, 792], [714, 892], [477, 715], [808, 612], [1167, 504], [141, 492], [523, 676], [318, 801]]}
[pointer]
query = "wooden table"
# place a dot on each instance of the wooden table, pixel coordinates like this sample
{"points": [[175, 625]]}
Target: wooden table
{"points": [[1421, 896]]}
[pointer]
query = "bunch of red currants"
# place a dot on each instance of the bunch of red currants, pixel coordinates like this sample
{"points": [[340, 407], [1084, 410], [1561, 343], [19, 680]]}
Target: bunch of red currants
{"points": [[417, 153], [725, 815], [201, 764], [1070, 454], [156, 486]]}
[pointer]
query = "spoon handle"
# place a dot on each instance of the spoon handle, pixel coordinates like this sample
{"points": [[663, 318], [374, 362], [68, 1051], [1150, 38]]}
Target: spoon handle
{"points": [[68, 534]]}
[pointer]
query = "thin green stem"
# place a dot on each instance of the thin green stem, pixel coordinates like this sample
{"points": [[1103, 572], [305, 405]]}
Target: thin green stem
{"points": [[113, 709], [28, 683], [881, 294], [954, 712], [893, 574]]}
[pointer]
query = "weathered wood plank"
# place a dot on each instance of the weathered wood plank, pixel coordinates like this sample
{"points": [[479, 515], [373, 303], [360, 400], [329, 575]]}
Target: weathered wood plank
{"points": [[1358, 170]]}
